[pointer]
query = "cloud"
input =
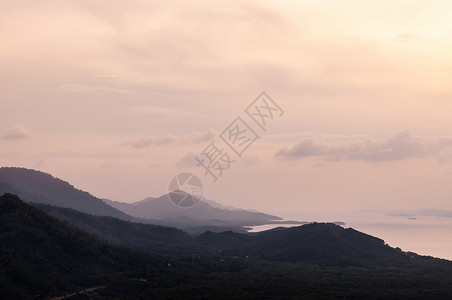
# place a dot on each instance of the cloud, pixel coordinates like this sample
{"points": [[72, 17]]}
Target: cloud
{"points": [[187, 161], [401, 146], [171, 139], [17, 133], [248, 161], [408, 37], [145, 143], [79, 88], [157, 112]]}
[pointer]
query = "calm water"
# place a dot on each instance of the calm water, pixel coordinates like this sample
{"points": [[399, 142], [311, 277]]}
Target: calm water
{"points": [[424, 235]]}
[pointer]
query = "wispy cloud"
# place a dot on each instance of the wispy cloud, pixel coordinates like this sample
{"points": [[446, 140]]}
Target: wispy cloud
{"points": [[401, 146], [155, 111], [80, 88], [172, 139], [17, 133]]}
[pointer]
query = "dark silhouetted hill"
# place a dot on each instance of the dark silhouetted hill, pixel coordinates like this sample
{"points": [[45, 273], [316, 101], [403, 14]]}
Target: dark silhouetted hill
{"points": [[42, 255], [316, 243], [146, 237]]}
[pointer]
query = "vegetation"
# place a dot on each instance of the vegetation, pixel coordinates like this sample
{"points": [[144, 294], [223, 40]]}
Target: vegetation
{"points": [[151, 238], [42, 254], [42, 257], [272, 280]]}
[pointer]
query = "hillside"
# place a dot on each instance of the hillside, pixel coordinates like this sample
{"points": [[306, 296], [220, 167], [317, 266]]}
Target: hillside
{"points": [[42, 255], [146, 237], [39, 187], [316, 243]]}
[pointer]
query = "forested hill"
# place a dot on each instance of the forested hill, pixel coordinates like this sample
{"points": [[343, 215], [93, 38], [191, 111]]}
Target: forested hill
{"points": [[40, 254], [146, 237]]}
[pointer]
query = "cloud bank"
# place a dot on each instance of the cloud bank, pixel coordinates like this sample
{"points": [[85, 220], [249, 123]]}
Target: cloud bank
{"points": [[401, 146], [17, 133]]}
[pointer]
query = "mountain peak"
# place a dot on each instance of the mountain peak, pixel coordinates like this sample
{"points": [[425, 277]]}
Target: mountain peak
{"points": [[161, 208]]}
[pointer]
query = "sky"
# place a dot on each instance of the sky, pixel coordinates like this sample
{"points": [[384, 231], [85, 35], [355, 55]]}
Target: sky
{"points": [[118, 97]]}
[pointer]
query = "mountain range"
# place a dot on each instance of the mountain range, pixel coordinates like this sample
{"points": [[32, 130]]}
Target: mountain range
{"points": [[63, 240], [202, 213], [39, 187]]}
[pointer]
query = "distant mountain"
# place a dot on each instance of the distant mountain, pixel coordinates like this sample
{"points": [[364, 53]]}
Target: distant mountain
{"points": [[41, 255], [316, 243], [421, 213], [219, 205], [39, 187], [202, 213], [426, 212]]}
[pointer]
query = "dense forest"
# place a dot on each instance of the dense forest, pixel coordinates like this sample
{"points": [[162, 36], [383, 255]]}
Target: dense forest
{"points": [[44, 257]]}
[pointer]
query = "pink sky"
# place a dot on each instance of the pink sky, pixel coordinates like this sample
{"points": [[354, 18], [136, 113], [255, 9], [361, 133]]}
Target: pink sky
{"points": [[118, 97]]}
